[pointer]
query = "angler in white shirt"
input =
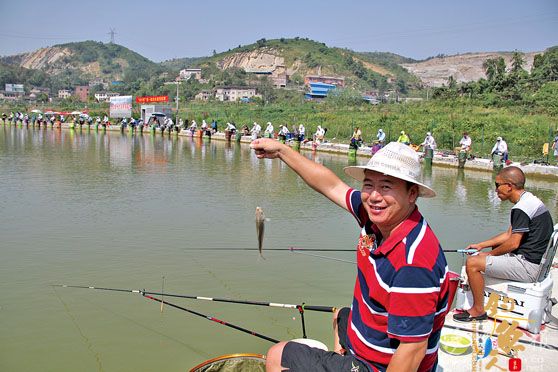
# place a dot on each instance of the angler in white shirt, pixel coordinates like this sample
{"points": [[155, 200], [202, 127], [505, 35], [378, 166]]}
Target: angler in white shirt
{"points": [[320, 133], [256, 129], [500, 148], [269, 128], [429, 142], [231, 127], [301, 131]]}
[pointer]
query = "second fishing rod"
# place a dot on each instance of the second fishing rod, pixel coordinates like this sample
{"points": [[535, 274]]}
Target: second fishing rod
{"points": [[301, 308], [295, 249]]}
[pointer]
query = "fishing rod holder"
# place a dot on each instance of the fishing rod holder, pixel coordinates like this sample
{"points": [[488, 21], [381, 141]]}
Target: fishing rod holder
{"points": [[301, 311]]}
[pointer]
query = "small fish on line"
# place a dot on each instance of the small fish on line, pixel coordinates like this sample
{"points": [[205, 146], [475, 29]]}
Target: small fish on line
{"points": [[260, 219]]}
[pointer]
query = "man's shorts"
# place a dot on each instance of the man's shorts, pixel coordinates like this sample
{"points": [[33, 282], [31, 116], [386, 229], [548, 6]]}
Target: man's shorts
{"points": [[302, 358], [512, 267]]}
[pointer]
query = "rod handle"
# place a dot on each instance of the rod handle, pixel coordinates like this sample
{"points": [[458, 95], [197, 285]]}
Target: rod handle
{"points": [[325, 309]]}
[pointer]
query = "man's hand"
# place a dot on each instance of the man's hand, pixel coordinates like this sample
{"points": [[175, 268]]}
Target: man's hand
{"points": [[267, 148], [476, 246]]}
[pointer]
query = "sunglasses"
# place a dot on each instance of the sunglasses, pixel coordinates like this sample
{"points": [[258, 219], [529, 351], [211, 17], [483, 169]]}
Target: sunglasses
{"points": [[500, 184]]}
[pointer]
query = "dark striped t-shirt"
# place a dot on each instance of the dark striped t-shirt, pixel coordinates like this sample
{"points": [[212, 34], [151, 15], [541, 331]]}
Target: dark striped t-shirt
{"points": [[401, 290]]}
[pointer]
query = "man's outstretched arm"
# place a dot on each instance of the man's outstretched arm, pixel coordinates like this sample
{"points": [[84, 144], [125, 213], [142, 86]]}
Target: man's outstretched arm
{"points": [[315, 175]]}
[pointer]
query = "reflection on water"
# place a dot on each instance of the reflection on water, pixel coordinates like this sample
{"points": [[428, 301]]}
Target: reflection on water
{"points": [[114, 210]]}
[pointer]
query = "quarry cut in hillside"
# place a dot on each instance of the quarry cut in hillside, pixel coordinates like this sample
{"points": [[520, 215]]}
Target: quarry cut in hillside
{"points": [[255, 61], [44, 57], [463, 67]]}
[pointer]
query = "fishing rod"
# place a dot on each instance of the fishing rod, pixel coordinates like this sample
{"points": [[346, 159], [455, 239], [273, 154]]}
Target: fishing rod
{"points": [[290, 249], [146, 295], [213, 319], [527, 342], [301, 308], [466, 251], [324, 309], [294, 249]]}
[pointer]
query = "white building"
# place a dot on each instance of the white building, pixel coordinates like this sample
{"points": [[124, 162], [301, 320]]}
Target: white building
{"points": [[204, 95], [105, 96], [64, 93], [99, 82], [235, 93], [187, 73]]}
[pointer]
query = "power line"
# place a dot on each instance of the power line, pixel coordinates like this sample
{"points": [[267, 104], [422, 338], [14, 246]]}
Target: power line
{"points": [[112, 33]]}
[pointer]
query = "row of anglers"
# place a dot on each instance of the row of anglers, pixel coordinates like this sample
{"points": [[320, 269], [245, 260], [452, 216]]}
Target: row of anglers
{"points": [[500, 148], [298, 132], [165, 123], [39, 119]]}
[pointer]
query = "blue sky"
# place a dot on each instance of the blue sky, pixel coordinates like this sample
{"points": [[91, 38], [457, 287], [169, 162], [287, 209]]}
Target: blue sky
{"points": [[165, 29]]}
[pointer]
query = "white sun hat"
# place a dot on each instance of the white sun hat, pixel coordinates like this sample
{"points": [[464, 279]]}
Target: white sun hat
{"points": [[397, 160]]}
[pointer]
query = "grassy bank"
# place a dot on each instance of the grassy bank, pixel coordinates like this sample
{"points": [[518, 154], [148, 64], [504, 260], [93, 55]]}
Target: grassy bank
{"points": [[525, 132]]}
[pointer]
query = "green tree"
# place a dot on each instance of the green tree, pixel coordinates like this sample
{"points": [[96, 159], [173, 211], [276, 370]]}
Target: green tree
{"points": [[547, 97], [401, 86], [489, 67], [265, 88], [517, 62], [42, 97], [452, 84], [344, 98], [297, 79]]}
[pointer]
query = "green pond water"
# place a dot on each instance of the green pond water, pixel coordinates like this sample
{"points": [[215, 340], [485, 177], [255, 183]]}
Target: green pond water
{"points": [[112, 210]]}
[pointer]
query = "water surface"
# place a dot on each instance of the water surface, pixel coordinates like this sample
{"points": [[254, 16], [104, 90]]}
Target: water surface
{"points": [[113, 210]]}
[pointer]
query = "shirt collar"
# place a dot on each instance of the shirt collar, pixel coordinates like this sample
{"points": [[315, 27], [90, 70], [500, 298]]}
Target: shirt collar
{"points": [[399, 233]]}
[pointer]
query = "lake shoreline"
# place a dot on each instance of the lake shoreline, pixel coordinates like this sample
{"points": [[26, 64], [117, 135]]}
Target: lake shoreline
{"points": [[440, 159]]}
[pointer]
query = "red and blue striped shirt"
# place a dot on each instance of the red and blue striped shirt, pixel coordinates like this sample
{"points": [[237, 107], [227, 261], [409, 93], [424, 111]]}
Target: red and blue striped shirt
{"points": [[401, 290]]}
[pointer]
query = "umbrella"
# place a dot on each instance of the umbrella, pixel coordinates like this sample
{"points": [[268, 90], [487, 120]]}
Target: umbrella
{"points": [[159, 114], [37, 111], [50, 113], [75, 113]]}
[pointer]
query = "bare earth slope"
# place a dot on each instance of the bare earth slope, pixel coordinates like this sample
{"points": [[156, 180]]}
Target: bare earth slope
{"points": [[463, 67]]}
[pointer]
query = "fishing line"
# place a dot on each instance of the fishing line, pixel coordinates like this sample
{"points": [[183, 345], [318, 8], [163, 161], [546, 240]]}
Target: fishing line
{"points": [[324, 257], [86, 340], [162, 293], [213, 319], [147, 295], [326, 309], [146, 327]]}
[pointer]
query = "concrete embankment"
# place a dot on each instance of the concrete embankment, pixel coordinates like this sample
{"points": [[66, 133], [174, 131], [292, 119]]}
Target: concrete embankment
{"points": [[439, 159]]}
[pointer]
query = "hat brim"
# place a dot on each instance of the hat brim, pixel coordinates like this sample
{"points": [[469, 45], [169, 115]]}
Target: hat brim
{"points": [[357, 172]]}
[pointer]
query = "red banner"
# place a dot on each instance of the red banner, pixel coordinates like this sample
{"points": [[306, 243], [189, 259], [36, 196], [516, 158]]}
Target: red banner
{"points": [[152, 99]]}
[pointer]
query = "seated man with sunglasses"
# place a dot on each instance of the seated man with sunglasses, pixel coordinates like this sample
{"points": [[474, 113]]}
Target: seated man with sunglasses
{"points": [[516, 253]]}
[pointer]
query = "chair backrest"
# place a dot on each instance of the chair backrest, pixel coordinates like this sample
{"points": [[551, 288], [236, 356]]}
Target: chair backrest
{"points": [[548, 257]]}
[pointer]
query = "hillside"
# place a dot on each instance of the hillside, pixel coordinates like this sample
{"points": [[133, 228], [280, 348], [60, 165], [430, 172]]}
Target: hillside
{"points": [[68, 65], [178, 64], [14, 73], [73, 64], [299, 57], [467, 67]]}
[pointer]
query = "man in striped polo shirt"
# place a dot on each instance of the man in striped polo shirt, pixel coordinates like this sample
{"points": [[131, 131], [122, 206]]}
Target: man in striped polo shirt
{"points": [[516, 253], [401, 291]]}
